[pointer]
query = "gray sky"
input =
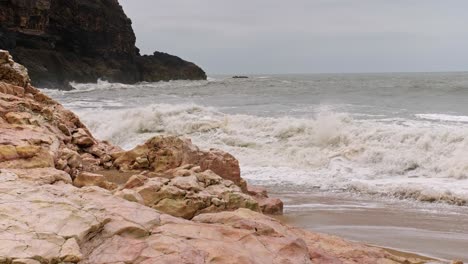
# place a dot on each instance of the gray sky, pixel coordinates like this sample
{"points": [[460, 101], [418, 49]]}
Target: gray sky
{"points": [[306, 36]]}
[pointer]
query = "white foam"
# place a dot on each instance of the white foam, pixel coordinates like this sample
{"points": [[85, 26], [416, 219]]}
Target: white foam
{"points": [[443, 117], [330, 151]]}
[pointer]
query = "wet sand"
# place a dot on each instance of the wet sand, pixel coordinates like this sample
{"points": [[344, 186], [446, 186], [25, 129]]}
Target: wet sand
{"points": [[432, 230]]}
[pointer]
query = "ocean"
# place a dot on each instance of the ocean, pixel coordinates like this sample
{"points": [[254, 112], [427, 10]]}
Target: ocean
{"points": [[396, 135], [378, 142]]}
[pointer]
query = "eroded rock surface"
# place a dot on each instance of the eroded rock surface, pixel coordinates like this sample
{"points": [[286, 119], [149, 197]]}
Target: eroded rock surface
{"points": [[45, 223], [161, 154], [190, 194]]}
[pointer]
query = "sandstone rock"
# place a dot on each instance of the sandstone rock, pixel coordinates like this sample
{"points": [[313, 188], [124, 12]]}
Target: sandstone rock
{"points": [[91, 226], [11, 72], [20, 118], [25, 261], [273, 206], [82, 138], [267, 205], [70, 251], [93, 179], [171, 154], [186, 196], [135, 181], [42, 176], [189, 183], [257, 191], [130, 195]]}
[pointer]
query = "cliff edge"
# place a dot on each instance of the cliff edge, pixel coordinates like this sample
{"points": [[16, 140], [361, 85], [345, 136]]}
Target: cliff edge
{"points": [[82, 40]]}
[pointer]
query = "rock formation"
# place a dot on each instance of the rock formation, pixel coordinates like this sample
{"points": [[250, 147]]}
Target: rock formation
{"points": [[66, 197], [82, 40]]}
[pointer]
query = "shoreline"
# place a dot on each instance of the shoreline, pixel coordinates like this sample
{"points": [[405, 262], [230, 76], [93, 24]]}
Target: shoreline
{"points": [[409, 229], [181, 205]]}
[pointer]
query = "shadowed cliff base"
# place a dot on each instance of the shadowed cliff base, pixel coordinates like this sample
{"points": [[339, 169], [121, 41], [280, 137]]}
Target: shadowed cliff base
{"points": [[68, 40]]}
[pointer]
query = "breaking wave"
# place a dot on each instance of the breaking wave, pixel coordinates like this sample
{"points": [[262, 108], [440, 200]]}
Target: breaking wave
{"points": [[414, 159]]}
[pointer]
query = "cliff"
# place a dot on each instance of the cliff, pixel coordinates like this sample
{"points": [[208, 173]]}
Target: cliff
{"points": [[82, 40], [67, 197]]}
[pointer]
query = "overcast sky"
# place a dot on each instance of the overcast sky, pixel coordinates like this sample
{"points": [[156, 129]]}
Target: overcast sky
{"points": [[306, 36]]}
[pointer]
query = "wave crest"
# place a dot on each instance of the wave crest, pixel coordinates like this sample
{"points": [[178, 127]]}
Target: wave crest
{"points": [[335, 147]]}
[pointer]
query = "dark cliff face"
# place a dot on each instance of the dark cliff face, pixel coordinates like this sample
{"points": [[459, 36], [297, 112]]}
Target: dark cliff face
{"points": [[82, 40]]}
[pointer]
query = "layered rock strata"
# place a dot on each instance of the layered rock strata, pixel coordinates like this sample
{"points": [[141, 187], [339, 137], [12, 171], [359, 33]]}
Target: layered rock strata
{"points": [[82, 40]]}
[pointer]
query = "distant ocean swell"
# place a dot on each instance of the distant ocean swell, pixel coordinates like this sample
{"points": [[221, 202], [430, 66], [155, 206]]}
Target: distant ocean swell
{"points": [[414, 159]]}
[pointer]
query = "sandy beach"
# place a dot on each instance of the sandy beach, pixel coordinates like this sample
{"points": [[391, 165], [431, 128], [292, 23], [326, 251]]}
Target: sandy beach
{"points": [[432, 230]]}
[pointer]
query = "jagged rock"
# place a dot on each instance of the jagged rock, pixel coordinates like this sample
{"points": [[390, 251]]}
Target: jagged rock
{"points": [[164, 154], [35, 132], [82, 138], [268, 205], [189, 195], [12, 72], [75, 40]]}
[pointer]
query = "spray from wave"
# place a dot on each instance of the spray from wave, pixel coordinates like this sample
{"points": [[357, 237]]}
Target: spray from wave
{"points": [[329, 151]]}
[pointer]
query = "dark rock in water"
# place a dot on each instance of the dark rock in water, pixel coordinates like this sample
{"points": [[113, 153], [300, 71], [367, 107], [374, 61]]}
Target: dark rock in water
{"points": [[240, 77], [82, 40]]}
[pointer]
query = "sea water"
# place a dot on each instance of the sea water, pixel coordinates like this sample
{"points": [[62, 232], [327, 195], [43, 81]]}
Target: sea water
{"points": [[396, 135]]}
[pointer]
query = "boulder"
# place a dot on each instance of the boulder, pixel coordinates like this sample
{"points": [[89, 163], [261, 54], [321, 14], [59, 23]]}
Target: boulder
{"points": [[272, 206], [164, 154]]}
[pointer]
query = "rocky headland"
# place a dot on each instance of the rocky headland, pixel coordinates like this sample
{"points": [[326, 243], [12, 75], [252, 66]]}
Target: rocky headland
{"points": [[82, 40], [67, 197]]}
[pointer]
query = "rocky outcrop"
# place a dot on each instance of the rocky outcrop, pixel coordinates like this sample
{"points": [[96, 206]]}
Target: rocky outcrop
{"points": [[37, 132], [191, 193], [161, 154], [62, 199], [59, 223], [82, 40]]}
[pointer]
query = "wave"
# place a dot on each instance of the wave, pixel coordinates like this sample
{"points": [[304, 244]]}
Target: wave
{"points": [[329, 151], [443, 117], [102, 85]]}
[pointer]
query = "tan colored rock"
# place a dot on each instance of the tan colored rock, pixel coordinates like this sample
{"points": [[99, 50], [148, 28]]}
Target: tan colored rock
{"points": [[187, 196], [170, 154], [130, 195], [189, 183], [8, 152], [25, 261], [135, 181], [42, 176], [90, 225], [71, 251], [11, 72], [19, 118], [93, 179], [82, 138], [28, 151]]}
